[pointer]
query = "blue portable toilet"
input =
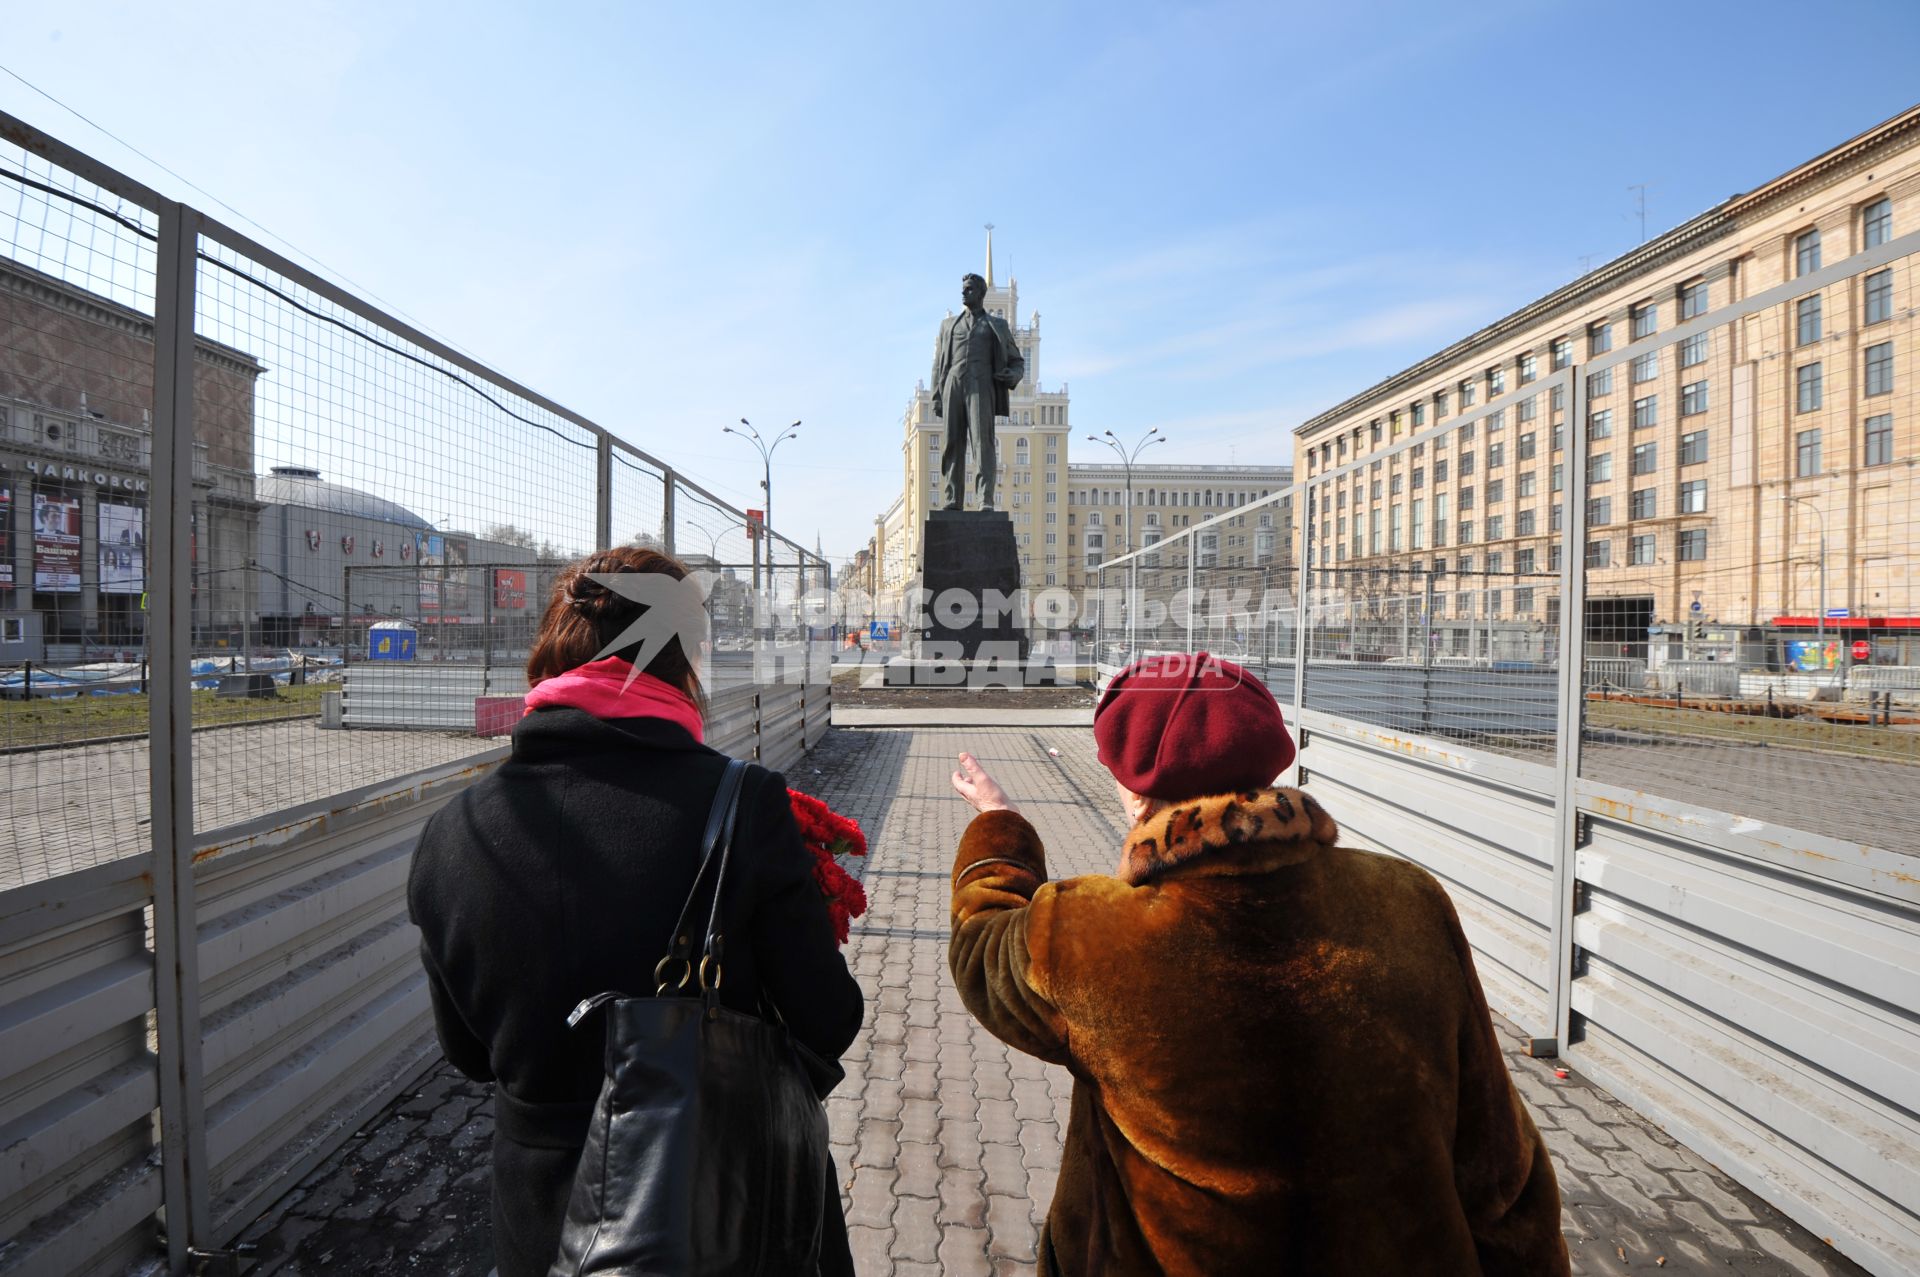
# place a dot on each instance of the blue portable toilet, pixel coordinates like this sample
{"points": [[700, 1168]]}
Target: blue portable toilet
{"points": [[391, 641]]}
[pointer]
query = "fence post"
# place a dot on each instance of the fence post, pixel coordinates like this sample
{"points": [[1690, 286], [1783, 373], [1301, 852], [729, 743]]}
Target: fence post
{"points": [[603, 492], [1193, 553], [1303, 616], [1572, 714], [184, 1172], [667, 519]]}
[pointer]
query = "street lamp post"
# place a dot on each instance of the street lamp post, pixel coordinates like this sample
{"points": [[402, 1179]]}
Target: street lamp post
{"points": [[766, 460], [1820, 522], [1127, 458]]}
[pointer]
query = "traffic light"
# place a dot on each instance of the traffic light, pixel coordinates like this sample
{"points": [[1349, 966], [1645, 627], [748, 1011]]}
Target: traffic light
{"points": [[1696, 629]]}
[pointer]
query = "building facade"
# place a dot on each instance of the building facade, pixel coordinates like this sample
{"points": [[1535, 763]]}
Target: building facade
{"points": [[76, 449], [1729, 474]]}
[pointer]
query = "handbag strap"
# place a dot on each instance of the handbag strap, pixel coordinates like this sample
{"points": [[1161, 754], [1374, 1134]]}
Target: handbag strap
{"points": [[718, 836]]}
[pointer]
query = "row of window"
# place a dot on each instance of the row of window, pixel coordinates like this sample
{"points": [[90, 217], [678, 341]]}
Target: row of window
{"points": [[1691, 299], [1808, 379]]}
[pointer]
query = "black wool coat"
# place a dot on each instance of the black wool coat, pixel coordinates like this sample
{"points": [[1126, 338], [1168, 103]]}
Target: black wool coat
{"points": [[560, 875]]}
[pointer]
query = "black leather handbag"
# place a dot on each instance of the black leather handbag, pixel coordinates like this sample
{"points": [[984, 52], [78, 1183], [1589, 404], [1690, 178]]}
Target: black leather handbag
{"points": [[707, 1152]]}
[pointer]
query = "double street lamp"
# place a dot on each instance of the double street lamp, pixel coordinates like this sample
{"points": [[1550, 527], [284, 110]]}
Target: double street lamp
{"points": [[1127, 458], [766, 460]]}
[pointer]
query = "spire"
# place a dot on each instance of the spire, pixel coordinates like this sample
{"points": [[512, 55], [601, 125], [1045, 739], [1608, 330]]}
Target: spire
{"points": [[989, 254]]}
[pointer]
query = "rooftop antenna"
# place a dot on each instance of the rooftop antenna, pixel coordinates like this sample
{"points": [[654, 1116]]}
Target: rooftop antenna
{"points": [[1586, 263], [1640, 205]]}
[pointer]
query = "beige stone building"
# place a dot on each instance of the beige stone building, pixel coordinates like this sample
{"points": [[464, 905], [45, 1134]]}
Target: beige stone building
{"points": [[1723, 459]]}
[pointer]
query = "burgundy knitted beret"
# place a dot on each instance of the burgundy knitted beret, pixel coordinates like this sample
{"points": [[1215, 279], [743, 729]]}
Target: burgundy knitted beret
{"points": [[1179, 726]]}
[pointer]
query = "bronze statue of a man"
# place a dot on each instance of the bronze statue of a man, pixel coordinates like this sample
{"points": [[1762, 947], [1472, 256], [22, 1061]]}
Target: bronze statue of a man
{"points": [[976, 365]]}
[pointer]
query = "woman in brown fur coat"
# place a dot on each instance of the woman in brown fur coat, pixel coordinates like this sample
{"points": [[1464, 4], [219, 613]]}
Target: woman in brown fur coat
{"points": [[1282, 1059]]}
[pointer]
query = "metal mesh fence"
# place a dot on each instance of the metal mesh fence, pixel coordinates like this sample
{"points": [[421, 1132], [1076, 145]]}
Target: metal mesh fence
{"points": [[374, 526], [1752, 622], [77, 281]]}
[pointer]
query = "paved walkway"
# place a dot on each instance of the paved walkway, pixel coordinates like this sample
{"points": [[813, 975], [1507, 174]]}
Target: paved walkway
{"points": [[948, 1142]]}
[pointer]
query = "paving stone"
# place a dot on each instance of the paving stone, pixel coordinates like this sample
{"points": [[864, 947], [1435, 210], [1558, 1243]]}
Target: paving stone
{"points": [[919, 1168], [963, 1252]]}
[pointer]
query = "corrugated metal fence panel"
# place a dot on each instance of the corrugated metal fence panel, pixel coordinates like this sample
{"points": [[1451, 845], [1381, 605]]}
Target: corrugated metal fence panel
{"points": [[1439, 700], [1755, 991], [733, 721], [422, 695], [1700, 678], [1481, 824], [78, 1079], [314, 1005], [781, 726], [818, 711]]}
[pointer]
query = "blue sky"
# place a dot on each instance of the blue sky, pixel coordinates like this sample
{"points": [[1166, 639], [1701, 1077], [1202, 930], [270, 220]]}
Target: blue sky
{"points": [[1230, 216]]}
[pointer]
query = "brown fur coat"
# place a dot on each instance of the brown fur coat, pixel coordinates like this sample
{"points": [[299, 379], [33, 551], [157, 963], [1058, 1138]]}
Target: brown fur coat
{"points": [[1282, 1059]]}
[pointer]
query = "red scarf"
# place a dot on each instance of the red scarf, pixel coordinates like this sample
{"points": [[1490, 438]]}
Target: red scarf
{"points": [[611, 689]]}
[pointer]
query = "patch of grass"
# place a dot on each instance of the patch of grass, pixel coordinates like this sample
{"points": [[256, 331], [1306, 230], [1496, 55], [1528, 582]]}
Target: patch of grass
{"points": [[52, 722], [1890, 744]]}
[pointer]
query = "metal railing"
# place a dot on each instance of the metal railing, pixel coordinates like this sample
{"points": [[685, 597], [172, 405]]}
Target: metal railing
{"points": [[238, 469]]}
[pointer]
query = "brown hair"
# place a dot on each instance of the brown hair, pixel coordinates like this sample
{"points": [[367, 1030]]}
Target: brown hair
{"points": [[584, 616]]}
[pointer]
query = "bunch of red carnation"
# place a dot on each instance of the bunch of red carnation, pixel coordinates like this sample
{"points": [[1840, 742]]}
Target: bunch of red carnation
{"points": [[829, 835]]}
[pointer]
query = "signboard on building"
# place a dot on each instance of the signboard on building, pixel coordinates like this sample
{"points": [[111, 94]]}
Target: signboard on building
{"points": [[6, 536], [123, 549], [56, 543], [1809, 656], [509, 589], [453, 594]]}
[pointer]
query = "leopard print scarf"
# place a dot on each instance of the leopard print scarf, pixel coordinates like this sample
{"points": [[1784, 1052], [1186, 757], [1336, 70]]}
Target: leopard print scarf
{"points": [[1276, 826]]}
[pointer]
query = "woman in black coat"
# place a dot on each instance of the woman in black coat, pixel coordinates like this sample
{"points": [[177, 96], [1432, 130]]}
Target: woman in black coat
{"points": [[561, 874]]}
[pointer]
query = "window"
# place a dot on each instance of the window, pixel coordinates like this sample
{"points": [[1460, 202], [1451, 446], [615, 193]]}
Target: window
{"points": [[1496, 420], [1806, 452], [1523, 524], [1879, 296], [1554, 516], [1693, 497], [1415, 526], [1496, 562], [1529, 367], [1466, 464], [1526, 446], [1600, 553], [1599, 339], [1600, 383], [1879, 440], [13, 629], [1419, 411], [1693, 351], [1496, 527], [1374, 490], [1806, 253], [1496, 455], [1646, 412], [1600, 425], [1523, 598], [1496, 381], [1496, 491], [1646, 458], [1528, 409], [1646, 320], [1560, 353], [1559, 476], [1645, 504], [1880, 369], [1806, 384], [1398, 483], [1693, 545], [1646, 367], [1693, 398], [1525, 487], [1376, 434], [1693, 448], [1466, 535], [1600, 467], [1806, 320], [1553, 557], [1557, 399], [1466, 499], [1693, 299], [1876, 223], [1599, 511], [1466, 395], [1640, 549]]}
